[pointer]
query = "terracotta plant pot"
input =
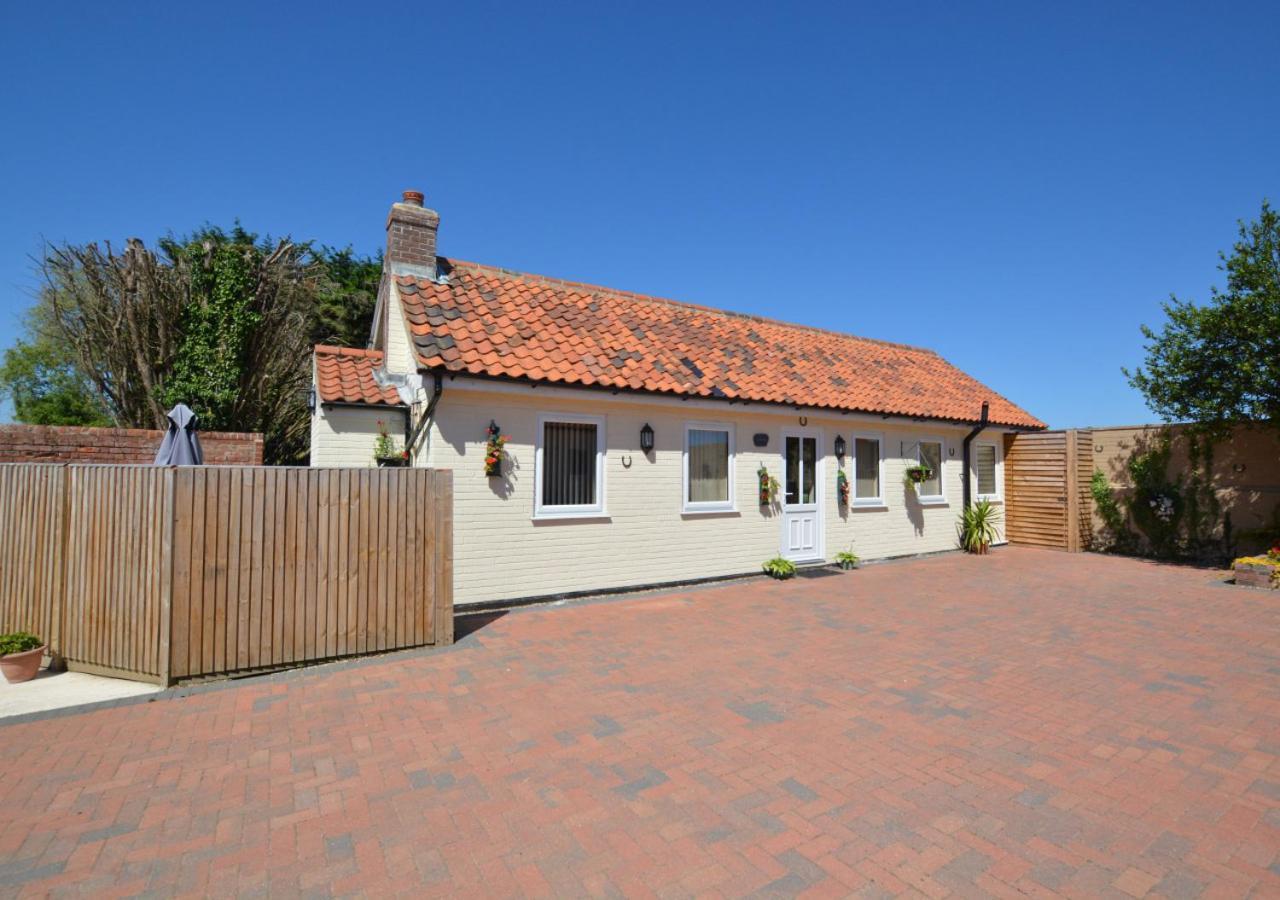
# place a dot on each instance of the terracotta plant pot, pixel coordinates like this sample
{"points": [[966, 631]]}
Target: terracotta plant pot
{"points": [[19, 667]]}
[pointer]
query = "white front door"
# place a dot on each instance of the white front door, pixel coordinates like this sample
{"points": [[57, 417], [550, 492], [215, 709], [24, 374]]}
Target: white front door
{"points": [[801, 497]]}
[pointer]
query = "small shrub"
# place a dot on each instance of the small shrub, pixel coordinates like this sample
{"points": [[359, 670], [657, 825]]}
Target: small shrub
{"points": [[847, 559], [18, 642], [779, 568]]}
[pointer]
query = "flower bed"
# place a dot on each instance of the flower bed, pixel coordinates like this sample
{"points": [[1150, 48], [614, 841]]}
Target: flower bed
{"points": [[1259, 571]]}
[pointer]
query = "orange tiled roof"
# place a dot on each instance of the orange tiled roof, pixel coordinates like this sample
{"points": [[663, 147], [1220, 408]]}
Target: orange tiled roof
{"points": [[489, 321], [345, 375]]}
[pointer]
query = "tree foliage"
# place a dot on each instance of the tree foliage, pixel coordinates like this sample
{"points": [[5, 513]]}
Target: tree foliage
{"points": [[1219, 364], [220, 320], [45, 386]]}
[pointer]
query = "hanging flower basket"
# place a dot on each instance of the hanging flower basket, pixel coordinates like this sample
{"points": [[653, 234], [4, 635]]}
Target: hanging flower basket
{"points": [[842, 488], [919, 474], [768, 487], [494, 452]]}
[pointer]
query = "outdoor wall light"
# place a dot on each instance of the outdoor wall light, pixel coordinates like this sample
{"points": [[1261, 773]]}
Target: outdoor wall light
{"points": [[646, 437], [311, 400], [840, 447]]}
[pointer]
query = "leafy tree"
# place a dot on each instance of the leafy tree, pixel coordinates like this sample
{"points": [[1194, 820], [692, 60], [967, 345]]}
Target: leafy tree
{"points": [[46, 388], [347, 297], [220, 319], [1219, 364]]}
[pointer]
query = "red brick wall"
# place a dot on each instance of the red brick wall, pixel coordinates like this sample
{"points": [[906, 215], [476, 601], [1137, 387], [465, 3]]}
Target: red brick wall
{"points": [[58, 443]]}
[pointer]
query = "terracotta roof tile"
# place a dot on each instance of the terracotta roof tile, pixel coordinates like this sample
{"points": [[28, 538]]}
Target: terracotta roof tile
{"points": [[488, 321], [345, 375]]}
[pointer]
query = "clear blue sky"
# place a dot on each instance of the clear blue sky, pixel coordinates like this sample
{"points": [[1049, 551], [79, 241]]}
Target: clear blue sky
{"points": [[1017, 186]]}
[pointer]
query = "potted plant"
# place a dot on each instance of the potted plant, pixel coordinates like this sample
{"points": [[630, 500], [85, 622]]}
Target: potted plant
{"points": [[768, 486], [842, 487], [494, 452], [20, 655], [779, 568], [978, 527], [847, 559], [384, 450]]}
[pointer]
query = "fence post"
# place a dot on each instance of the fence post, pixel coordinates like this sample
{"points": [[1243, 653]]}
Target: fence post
{"points": [[167, 514], [58, 614], [1073, 493]]}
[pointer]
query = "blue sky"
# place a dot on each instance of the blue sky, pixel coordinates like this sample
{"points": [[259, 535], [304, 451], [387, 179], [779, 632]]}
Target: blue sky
{"points": [[1017, 186]]}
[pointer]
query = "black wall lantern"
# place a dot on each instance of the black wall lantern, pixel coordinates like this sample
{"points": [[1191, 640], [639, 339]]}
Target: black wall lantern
{"points": [[840, 447], [646, 438]]}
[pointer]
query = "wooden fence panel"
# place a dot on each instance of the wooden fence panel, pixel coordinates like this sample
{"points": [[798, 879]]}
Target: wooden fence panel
{"points": [[160, 573], [277, 566], [1047, 500], [31, 521], [114, 553]]}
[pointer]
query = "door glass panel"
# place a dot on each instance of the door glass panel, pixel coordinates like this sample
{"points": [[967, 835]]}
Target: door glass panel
{"points": [[793, 470], [809, 453]]}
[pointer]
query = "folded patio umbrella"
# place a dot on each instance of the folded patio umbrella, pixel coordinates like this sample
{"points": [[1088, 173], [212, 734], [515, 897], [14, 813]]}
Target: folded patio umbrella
{"points": [[181, 444]]}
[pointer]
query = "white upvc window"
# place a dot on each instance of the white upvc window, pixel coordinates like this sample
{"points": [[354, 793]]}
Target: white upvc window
{"points": [[569, 467], [868, 469], [987, 466], [930, 452], [708, 468]]}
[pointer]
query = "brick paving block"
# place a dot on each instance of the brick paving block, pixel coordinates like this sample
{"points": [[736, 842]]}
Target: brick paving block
{"points": [[954, 725]]}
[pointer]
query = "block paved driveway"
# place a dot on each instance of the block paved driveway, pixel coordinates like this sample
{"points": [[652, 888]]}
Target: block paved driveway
{"points": [[1027, 723]]}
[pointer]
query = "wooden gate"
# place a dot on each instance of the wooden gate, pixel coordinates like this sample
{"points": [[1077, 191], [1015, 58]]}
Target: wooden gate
{"points": [[1047, 500]]}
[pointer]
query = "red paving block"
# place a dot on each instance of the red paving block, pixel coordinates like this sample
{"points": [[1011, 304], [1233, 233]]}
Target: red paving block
{"points": [[1029, 722]]}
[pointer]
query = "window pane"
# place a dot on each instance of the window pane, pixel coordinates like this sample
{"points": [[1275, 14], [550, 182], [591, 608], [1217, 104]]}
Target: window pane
{"points": [[931, 456], [866, 467], [569, 464], [793, 470], [708, 466], [986, 466], [809, 453]]}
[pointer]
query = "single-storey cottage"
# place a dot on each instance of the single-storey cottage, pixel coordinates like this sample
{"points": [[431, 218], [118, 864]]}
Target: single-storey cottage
{"points": [[648, 441]]}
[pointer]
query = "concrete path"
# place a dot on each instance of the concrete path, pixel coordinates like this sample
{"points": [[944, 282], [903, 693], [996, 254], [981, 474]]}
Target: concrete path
{"points": [[56, 690], [1030, 723]]}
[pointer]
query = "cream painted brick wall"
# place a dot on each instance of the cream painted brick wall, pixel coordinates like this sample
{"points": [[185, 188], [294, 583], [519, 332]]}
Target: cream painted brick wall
{"points": [[399, 349], [343, 436], [501, 553]]}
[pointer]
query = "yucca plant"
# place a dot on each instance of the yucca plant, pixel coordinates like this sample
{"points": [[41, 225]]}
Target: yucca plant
{"points": [[978, 526]]}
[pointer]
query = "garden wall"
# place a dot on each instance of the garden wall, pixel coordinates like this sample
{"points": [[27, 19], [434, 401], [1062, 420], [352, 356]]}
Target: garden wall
{"points": [[1243, 474], [118, 446]]}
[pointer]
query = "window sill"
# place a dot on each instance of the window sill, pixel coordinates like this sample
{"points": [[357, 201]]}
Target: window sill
{"points": [[598, 515], [933, 501], [696, 513], [990, 498]]}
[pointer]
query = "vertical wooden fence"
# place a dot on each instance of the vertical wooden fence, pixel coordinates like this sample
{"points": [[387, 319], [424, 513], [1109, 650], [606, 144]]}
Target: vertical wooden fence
{"points": [[1047, 500], [161, 573]]}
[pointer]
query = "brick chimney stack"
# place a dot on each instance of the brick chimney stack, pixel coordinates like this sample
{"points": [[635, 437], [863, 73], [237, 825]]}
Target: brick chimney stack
{"points": [[411, 237]]}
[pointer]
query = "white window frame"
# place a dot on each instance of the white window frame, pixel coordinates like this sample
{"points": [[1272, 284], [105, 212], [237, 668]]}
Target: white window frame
{"points": [[709, 506], [867, 502], [939, 499], [998, 496], [566, 511]]}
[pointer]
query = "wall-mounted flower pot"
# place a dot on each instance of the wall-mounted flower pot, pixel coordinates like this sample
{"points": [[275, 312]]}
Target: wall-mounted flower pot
{"points": [[19, 667]]}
